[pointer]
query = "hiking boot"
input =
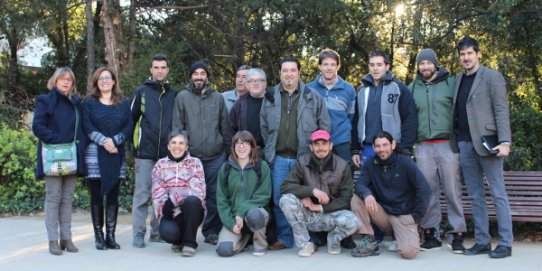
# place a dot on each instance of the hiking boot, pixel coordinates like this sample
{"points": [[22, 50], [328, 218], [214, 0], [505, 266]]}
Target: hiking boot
{"points": [[348, 243], [211, 239], [457, 243], [155, 238], [367, 247], [307, 250], [139, 240], [176, 248], [430, 241]]}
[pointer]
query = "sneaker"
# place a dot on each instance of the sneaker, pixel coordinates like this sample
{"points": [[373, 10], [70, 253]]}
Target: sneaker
{"points": [[211, 239], [307, 250], [457, 246], [155, 238], [367, 247], [259, 251], [392, 246], [334, 249], [139, 240], [430, 243], [176, 248], [188, 251]]}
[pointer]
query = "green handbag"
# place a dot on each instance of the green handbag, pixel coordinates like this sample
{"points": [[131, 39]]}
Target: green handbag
{"points": [[60, 159]]}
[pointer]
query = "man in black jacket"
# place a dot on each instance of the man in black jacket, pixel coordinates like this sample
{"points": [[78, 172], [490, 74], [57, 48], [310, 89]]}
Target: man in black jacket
{"points": [[395, 196], [152, 108]]}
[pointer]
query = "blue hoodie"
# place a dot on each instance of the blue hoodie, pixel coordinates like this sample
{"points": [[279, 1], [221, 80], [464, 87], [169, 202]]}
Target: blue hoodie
{"points": [[340, 102]]}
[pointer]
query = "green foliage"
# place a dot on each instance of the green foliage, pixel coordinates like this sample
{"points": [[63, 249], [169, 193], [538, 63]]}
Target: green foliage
{"points": [[21, 192]]}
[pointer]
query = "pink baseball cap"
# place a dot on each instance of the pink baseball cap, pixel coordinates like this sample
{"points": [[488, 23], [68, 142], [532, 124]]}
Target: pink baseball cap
{"points": [[320, 135]]}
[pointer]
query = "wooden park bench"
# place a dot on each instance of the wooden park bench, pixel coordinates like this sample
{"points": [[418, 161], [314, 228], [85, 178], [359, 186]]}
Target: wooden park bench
{"points": [[524, 190]]}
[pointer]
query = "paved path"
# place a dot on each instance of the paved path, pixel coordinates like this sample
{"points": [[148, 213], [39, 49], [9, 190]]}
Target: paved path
{"points": [[23, 246]]}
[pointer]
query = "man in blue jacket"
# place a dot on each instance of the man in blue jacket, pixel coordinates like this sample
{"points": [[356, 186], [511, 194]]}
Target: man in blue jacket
{"points": [[340, 97]]}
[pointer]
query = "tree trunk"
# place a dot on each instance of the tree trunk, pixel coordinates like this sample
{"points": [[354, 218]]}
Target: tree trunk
{"points": [[91, 59], [132, 34], [113, 34]]}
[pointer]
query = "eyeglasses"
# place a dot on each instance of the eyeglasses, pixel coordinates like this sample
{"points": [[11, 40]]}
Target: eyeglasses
{"points": [[253, 81], [105, 78], [65, 79], [242, 143]]}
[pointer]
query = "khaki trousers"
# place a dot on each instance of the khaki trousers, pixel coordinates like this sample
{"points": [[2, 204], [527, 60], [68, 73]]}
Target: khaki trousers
{"points": [[404, 227]]}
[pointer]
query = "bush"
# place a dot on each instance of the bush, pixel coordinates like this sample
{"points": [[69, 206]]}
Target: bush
{"points": [[21, 192]]}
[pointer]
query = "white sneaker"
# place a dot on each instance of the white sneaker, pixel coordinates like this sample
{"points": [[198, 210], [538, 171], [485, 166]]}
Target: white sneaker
{"points": [[307, 250], [392, 246], [334, 249]]}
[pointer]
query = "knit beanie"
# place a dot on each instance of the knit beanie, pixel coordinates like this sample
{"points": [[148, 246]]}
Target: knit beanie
{"points": [[427, 54], [198, 65]]}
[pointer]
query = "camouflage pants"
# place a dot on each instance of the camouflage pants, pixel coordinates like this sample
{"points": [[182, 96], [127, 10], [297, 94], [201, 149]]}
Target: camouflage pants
{"points": [[339, 224]]}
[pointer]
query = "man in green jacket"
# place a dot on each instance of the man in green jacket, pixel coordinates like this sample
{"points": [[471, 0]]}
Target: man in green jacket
{"points": [[316, 197], [433, 92], [201, 111]]}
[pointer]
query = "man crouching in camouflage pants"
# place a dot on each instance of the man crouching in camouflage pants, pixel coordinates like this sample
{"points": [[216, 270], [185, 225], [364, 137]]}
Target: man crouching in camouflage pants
{"points": [[316, 197]]}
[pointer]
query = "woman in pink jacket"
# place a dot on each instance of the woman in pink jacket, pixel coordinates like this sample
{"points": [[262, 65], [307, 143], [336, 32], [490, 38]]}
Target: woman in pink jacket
{"points": [[178, 194]]}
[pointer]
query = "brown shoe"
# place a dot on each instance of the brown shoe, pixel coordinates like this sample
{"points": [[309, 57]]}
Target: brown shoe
{"points": [[54, 248], [68, 246], [277, 246]]}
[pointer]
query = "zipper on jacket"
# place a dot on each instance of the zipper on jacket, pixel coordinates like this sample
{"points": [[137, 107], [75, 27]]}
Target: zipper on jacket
{"points": [[160, 130], [428, 111]]}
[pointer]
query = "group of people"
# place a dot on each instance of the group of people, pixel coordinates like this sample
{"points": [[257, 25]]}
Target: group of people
{"points": [[235, 161]]}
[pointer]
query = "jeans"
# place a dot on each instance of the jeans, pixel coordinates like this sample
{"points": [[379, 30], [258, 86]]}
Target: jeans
{"points": [[280, 170], [142, 194], [474, 168], [58, 206], [211, 223]]}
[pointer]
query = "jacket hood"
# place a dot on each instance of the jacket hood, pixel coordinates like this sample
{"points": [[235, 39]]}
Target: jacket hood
{"points": [[442, 74], [368, 79]]}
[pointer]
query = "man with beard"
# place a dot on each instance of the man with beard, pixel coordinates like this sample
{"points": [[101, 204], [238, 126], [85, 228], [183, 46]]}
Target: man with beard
{"points": [[480, 109], [152, 108], [316, 197], [433, 93], [290, 112], [395, 196], [201, 111], [383, 103], [240, 89]]}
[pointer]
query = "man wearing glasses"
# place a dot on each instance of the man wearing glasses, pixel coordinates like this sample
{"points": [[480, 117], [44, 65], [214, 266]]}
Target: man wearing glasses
{"points": [[245, 113]]}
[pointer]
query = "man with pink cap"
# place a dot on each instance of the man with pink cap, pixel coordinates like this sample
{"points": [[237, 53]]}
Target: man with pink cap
{"points": [[316, 197]]}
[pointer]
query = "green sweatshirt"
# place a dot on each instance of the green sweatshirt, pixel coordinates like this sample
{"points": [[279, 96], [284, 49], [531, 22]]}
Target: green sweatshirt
{"points": [[241, 191]]}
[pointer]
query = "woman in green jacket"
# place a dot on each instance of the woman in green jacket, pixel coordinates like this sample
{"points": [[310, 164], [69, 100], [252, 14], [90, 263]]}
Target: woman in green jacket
{"points": [[243, 194]]}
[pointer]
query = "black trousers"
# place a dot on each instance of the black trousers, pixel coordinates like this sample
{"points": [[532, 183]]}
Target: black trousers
{"points": [[182, 229]]}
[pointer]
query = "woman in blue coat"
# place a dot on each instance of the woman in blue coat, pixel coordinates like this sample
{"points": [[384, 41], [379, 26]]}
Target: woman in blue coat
{"points": [[107, 121], [55, 122]]}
